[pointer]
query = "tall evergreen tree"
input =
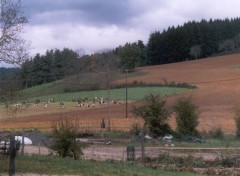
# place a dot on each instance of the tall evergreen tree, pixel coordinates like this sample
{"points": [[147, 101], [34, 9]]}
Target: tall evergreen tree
{"points": [[174, 44]]}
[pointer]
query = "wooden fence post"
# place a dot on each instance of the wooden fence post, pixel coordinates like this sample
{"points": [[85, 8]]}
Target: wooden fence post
{"points": [[12, 155], [22, 151], [39, 148], [142, 145], [5, 148]]}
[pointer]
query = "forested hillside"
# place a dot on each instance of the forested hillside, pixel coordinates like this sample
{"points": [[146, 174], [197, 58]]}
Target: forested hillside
{"points": [[193, 40]]}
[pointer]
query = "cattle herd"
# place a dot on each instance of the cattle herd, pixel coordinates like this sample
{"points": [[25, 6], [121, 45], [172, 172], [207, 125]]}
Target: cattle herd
{"points": [[81, 102], [77, 102]]}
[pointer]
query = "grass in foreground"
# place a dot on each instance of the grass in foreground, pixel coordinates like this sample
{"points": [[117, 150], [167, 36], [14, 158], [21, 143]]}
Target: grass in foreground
{"points": [[60, 166]]}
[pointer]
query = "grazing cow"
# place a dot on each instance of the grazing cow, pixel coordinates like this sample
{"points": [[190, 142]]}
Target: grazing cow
{"points": [[51, 100], [37, 101], [61, 105], [25, 102], [79, 103], [95, 99], [73, 99], [102, 101], [115, 102], [83, 99], [45, 104], [17, 105]]}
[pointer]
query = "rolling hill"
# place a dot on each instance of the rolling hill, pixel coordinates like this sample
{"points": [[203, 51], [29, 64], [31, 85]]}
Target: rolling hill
{"points": [[218, 82], [217, 79]]}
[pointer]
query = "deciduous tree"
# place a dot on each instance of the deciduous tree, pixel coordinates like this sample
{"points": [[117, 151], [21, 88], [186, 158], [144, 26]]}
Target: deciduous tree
{"points": [[129, 56], [195, 51], [13, 48]]}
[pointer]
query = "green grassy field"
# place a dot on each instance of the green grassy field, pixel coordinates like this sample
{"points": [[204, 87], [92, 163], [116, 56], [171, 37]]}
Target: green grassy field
{"points": [[76, 83], [59, 166], [134, 93]]}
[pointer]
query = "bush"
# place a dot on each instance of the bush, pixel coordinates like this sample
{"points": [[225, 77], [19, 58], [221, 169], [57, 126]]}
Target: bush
{"points": [[186, 116], [217, 133], [135, 129], [65, 133], [155, 115]]}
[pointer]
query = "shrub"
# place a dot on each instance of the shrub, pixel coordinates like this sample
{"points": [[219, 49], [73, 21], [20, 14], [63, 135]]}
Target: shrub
{"points": [[155, 115], [65, 132], [217, 133], [186, 116], [135, 129]]}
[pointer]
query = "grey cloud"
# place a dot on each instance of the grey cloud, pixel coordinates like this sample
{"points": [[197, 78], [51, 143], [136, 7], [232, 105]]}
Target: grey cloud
{"points": [[96, 24], [83, 11]]}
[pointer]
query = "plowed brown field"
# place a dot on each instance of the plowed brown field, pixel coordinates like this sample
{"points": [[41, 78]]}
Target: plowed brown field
{"points": [[218, 95]]}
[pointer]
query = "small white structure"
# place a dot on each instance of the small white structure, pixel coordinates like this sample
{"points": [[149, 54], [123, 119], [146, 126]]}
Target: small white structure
{"points": [[27, 141], [147, 137], [168, 137], [3, 143]]}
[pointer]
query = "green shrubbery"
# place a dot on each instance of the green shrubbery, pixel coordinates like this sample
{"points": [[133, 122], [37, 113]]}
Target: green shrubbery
{"points": [[186, 116], [65, 133], [155, 115], [135, 129], [216, 133]]}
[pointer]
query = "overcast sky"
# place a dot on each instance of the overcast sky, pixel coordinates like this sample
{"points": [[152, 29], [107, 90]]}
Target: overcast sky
{"points": [[96, 25]]}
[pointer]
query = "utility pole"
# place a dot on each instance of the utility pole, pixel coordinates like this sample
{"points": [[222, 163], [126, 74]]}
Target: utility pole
{"points": [[108, 84], [126, 93]]}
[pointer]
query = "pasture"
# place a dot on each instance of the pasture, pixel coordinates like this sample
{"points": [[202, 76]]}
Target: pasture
{"points": [[40, 117], [134, 93]]}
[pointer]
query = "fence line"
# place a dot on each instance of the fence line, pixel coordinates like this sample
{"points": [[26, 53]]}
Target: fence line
{"points": [[101, 153]]}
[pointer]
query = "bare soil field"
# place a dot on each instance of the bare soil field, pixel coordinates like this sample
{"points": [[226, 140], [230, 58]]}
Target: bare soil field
{"points": [[217, 96]]}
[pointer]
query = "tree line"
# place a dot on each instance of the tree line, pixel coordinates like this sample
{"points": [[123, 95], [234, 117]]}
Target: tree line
{"points": [[58, 64], [192, 40]]}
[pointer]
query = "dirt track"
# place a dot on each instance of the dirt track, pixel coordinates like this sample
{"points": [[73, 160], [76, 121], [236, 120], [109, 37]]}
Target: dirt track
{"points": [[218, 85]]}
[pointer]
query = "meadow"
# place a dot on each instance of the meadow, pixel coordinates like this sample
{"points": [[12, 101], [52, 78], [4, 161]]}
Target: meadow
{"points": [[134, 93]]}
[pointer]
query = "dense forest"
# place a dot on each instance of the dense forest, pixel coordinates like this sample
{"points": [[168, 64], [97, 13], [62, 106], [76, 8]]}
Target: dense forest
{"points": [[192, 40]]}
